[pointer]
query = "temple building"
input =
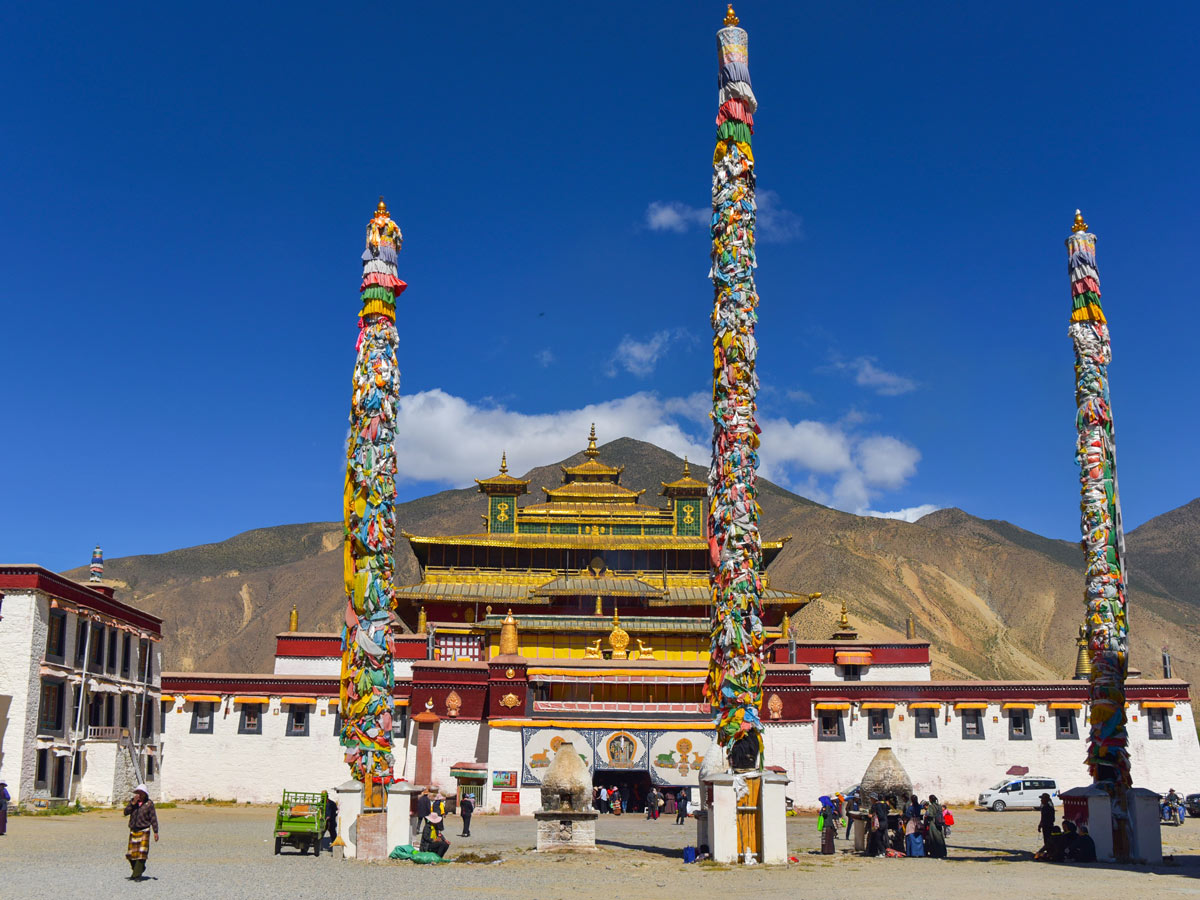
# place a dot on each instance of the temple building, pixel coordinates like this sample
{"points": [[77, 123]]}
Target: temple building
{"points": [[584, 617]]}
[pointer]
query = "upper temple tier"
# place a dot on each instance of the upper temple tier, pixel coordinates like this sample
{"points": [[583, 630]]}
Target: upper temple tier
{"points": [[590, 549]]}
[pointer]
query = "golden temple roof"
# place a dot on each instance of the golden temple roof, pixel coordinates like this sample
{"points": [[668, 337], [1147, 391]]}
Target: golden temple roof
{"points": [[592, 492], [685, 485], [573, 586], [610, 542], [592, 467], [503, 482]]}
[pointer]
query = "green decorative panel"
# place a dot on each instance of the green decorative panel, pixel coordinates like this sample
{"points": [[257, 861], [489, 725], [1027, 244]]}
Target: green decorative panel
{"points": [[533, 528], [687, 517], [627, 529], [502, 515], [564, 529], [657, 529]]}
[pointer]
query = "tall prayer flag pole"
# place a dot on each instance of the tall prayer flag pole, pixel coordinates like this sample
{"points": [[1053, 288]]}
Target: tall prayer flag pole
{"points": [[370, 519], [1103, 535], [735, 675]]}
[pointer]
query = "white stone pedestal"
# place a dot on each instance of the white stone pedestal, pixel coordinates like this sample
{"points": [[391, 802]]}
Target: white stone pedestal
{"points": [[720, 821], [403, 826], [566, 829], [1145, 827], [348, 797]]}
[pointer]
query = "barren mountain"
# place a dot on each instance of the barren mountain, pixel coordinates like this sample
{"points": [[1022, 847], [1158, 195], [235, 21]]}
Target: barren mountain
{"points": [[997, 601]]}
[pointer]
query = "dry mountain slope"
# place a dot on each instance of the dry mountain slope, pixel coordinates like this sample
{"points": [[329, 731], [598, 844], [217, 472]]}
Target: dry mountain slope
{"points": [[998, 601]]}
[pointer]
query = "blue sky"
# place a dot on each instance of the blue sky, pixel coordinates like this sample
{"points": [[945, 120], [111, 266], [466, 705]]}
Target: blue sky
{"points": [[185, 190]]}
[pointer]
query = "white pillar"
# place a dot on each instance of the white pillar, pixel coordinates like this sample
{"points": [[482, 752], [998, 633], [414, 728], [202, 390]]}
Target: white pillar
{"points": [[772, 811], [1145, 816], [722, 818], [402, 821], [349, 799]]}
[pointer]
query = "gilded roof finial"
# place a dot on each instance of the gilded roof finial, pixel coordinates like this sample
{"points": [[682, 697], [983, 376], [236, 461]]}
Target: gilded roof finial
{"points": [[508, 636], [1079, 225], [381, 209], [687, 469], [503, 462], [845, 622], [294, 619], [730, 16], [591, 450]]}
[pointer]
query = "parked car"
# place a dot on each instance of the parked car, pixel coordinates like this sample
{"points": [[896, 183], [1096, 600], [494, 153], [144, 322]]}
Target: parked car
{"points": [[1025, 791], [1192, 804]]}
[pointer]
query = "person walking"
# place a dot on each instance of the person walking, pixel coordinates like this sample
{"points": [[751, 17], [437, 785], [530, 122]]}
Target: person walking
{"points": [[424, 806], [142, 819], [878, 843], [852, 805], [331, 819], [681, 806], [466, 806], [1046, 820], [5, 796]]}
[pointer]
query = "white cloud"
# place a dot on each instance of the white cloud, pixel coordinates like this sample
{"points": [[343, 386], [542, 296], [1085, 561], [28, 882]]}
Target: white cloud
{"points": [[908, 514], [448, 440], [544, 357], [675, 216], [881, 381], [798, 396], [776, 223], [640, 357]]}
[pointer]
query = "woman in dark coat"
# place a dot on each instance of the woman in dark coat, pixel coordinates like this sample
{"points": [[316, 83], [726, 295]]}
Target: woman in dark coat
{"points": [[935, 838], [1046, 821], [878, 843]]}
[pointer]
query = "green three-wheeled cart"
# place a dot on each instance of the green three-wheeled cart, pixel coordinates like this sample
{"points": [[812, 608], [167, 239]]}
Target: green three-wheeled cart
{"points": [[300, 821]]}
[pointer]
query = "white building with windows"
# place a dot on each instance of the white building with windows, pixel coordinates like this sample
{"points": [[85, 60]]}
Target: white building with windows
{"points": [[79, 691]]}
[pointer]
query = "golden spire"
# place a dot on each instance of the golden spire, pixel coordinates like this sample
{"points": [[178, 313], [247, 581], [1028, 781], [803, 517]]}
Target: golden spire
{"points": [[1079, 225], [381, 209], [618, 638], [1083, 657], [591, 450], [730, 16], [844, 622], [508, 636], [687, 469], [785, 626], [294, 619], [503, 463], [422, 622], [599, 606]]}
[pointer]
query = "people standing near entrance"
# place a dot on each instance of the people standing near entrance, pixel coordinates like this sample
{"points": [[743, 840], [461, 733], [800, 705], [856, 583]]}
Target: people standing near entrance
{"points": [[615, 801], [878, 843], [466, 806], [424, 806], [439, 804], [596, 798], [935, 825], [142, 819], [681, 806], [852, 805], [5, 796]]}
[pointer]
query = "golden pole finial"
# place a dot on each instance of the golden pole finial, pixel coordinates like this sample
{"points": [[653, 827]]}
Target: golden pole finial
{"points": [[599, 606], [294, 619], [845, 622], [381, 209], [1079, 225], [730, 16], [503, 462], [422, 622], [687, 469], [591, 447]]}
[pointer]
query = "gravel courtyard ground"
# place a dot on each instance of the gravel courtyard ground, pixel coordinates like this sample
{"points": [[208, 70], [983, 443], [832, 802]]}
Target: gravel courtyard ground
{"points": [[227, 852]]}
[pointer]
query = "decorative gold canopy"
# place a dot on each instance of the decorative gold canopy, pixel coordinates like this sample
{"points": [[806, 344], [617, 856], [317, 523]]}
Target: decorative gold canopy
{"points": [[730, 16], [1079, 225], [381, 209], [508, 635], [591, 452]]}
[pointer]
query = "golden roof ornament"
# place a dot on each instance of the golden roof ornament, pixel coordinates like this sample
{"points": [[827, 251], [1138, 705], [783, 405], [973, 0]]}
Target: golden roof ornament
{"points": [[1079, 225], [618, 638], [503, 462], [730, 16], [785, 627], [381, 209], [599, 606], [844, 622], [294, 619], [508, 636], [591, 450], [1083, 656], [422, 622]]}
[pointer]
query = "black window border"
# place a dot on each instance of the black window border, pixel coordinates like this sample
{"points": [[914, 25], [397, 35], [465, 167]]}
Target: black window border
{"points": [[41, 769], [291, 720], [1166, 723], [1027, 715], [884, 714], [1073, 734], [977, 715], [841, 726], [243, 728], [919, 714], [61, 655], [62, 706], [212, 717]]}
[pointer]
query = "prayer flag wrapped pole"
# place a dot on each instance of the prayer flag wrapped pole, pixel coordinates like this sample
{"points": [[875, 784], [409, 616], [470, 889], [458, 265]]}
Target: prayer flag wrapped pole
{"points": [[1100, 523], [369, 500], [96, 569], [735, 677]]}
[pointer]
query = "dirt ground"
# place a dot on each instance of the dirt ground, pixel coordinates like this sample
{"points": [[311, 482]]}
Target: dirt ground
{"points": [[227, 852]]}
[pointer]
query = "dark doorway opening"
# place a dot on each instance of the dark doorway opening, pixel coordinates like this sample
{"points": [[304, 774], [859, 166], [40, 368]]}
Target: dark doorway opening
{"points": [[633, 786]]}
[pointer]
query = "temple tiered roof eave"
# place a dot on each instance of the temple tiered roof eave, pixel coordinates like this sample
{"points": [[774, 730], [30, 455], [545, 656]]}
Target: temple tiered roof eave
{"points": [[582, 541]]}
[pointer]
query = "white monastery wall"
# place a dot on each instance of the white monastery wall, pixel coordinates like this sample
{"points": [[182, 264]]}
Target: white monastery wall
{"points": [[875, 672], [331, 666], [22, 638], [453, 741], [257, 768], [504, 753]]}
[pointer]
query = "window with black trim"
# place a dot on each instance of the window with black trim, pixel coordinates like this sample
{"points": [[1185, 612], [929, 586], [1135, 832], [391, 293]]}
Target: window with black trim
{"points": [[1065, 727], [337, 721], [50, 706], [80, 641], [852, 673], [124, 710], [147, 724], [126, 652], [297, 723], [251, 720], [1018, 725], [879, 725], [202, 717], [56, 635], [972, 725], [1160, 724], [112, 650], [166, 708], [926, 723], [829, 726], [41, 772], [149, 769], [96, 656]]}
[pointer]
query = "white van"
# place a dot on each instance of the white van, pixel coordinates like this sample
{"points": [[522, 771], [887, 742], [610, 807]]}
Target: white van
{"points": [[1025, 791]]}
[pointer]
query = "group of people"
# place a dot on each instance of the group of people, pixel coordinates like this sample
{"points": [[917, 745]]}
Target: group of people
{"points": [[896, 826], [431, 810], [615, 801], [1070, 843]]}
